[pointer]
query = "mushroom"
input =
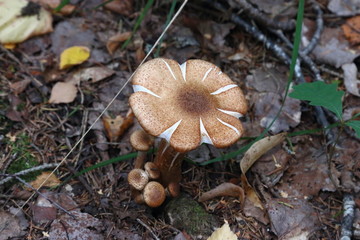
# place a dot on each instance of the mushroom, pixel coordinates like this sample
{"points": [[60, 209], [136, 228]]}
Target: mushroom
{"points": [[138, 178], [141, 141], [152, 170], [185, 105]]}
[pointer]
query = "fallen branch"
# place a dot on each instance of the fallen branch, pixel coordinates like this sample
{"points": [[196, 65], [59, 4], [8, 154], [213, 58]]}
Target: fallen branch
{"points": [[260, 17], [348, 217], [26, 171]]}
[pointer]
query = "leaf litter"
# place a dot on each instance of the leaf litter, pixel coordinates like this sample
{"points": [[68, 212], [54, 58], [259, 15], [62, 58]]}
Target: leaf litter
{"points": [[289, 181]]}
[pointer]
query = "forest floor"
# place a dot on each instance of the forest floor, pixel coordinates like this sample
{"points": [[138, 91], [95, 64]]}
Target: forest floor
{"points": [[46, 114]]}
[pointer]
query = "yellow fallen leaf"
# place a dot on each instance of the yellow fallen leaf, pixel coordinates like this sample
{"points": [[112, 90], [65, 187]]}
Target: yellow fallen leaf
{"points": [[74, 56], [51, 182], [21, 19], [223, 233]]}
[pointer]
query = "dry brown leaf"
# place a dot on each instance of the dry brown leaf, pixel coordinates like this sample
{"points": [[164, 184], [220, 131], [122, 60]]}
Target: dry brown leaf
{"points": [[63, 92], [51, 182], [20, 86], [258, 149], [250, 193], [115, 127], [112, 127], [351, 82], [352, 30], [124, 7], [9, 225], [115, 41], [224, 189], [94, 74], [51, 4]]}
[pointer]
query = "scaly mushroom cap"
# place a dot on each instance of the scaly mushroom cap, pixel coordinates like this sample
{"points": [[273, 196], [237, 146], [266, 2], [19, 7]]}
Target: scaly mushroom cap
{"points": [[187, 104], [154, 194], [141, 141], [138, 178]]}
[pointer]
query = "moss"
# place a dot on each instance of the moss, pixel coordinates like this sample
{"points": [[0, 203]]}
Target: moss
{"points": [[21, 149], [186, 214]]}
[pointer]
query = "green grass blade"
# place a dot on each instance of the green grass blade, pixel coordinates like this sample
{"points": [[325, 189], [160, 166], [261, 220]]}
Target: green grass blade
{"points": [[62, 4], [168, 18], [138, 22]]}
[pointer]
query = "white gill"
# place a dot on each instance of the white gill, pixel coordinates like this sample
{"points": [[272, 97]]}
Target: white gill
{"points": [[183, 70], [206, 74], [169, 68], [169, 132], [224, 89], [139, 88], [231, 113], [229, 125], [205, 138]]}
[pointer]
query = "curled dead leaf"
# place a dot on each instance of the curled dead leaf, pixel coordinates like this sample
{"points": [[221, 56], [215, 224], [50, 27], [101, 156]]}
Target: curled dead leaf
{"points": [[21, 20], [258, 149], [115, 127], [115, 41], [224, 189]]}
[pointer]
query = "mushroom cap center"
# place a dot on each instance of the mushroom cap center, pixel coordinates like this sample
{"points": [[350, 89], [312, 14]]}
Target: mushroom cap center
{"points": [[194, 101]]}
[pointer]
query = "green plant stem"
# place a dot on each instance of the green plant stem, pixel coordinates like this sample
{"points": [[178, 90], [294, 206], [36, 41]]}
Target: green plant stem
{"points": [[138, 22], [168, 18]]}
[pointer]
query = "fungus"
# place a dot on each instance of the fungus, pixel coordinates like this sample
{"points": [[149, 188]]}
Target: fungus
{"points": [[154, 194], [185, 105], [141, 141], [138, 178]]}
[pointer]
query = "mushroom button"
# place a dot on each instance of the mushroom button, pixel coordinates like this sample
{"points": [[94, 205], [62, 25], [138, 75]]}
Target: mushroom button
{"points": [[187, 104]]}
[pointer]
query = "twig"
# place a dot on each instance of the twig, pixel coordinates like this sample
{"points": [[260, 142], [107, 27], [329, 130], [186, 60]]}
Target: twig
{"points": [[254, 13], [306, 59], [319, 27], [51, 201], [26, 171], [256, 33], [348, 217], [148, 228]]}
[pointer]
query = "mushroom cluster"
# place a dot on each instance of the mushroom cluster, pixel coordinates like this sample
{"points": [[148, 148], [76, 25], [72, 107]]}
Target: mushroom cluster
{"points": [[185, 105]]}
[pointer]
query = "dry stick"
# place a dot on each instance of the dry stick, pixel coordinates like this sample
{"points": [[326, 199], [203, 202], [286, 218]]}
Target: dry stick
{"points": [[348, 216], [148, 228], [317, 34], [26, 171], [306, 59], [112, 100], [38, 192], [254, 13]]}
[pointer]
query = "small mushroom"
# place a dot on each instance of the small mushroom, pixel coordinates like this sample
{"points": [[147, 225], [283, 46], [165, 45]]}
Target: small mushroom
{"points": [[138, 178], [141, 141], [186, 105], [152, 170], [154, 194]]}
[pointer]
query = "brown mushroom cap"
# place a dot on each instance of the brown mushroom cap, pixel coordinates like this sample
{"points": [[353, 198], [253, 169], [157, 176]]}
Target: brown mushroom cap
{"points": [[187, 104], [140, 140], [152, 170], [154, 194], [138, 178]]}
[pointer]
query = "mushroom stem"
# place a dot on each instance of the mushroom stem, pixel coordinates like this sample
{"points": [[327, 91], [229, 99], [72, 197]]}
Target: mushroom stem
{"points": [[169, 164], [140, 159]]}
